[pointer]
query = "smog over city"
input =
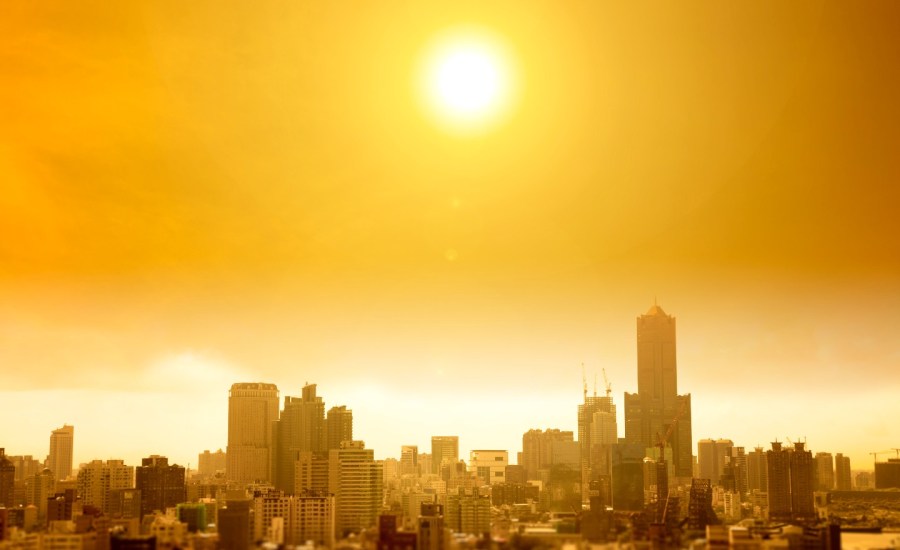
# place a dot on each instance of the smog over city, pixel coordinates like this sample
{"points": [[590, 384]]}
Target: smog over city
{"points": [[422, 275]]}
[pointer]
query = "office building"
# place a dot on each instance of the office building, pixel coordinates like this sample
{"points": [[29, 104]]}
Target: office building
{"points": [[842, 472], [339, 427], [355, 480], [7, 482], [489, 465], [628, 477], [540, 447], [824, 466], [757, 470], [161, 484], [97, 479], [409, 460], [444, 450], [300, 428], [62, 443], [252, 409], [468, 513], [656, 406], [209, 464], [887, 474]]}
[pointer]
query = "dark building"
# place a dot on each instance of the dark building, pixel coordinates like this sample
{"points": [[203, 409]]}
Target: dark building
{"points": [[887, 474], [431, 527], [390, 538], [7, 481], [301, 428], [700, 510], [654, 408], [338, 427], [59, 506], [791, 480], [234, 525], [123, 542], [125, 503], [513, 493], [803, 482], [628, 477], [161, 484]]}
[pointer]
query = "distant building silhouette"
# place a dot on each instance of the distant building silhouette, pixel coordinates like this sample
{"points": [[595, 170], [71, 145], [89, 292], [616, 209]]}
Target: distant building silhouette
{"points": [[887, 474], [209, 464], [842, 472], [791, 479], [97, 479], [161, 484], [444, 450], [252, 409], [62, 443], [539, 447], [355, 479], [824, 466], [712, 456], [339, 426], [628, 477], [757, 470], [650, 411], [300, 428], [7, 481], [409, 460]]}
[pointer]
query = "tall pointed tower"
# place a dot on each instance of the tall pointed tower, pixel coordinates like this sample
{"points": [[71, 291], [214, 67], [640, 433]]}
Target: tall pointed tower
{"points": [[655, 406]]}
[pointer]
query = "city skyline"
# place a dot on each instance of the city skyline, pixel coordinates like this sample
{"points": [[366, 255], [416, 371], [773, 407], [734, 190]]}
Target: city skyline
{"points": [[194, 196], [384, 447]]}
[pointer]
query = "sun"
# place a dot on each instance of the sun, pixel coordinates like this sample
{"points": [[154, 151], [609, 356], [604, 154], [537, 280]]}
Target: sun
{"points": [[466, 81]]}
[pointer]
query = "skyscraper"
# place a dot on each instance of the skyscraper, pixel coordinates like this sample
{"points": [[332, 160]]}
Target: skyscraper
{"points": [[712, 456], [841, 472], [252, 408], [791, 480], [339, 426], [7, 481], [824, 465], [355, 479], [444, 449], [161, 484], [301, 428], [656, 405], [597, 432], [97, 479], [757, 471], [62, 442]]}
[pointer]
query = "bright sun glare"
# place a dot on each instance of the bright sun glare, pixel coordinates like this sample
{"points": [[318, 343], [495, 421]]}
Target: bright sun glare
{"points": [[467, 80]]}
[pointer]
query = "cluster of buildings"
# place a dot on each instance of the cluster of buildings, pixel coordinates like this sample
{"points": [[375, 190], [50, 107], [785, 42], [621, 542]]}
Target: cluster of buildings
{"points": [[293, 475]]}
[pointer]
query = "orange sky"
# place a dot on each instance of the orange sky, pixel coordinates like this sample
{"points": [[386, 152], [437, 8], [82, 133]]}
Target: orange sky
{"points": [[198, 194]]}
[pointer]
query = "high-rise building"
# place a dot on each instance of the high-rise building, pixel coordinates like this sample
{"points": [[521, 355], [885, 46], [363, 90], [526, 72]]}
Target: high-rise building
{"points": [[538, 447], [409, 460], [803, 479], [468, 513], [489, 465], [842, 472], [824, 466], [311, 474], [597, 431], [430, 527], [339, 426], [7, 482], [444, 449], [300, 428], [712, 456], [757, 471], [209, 464], [355, 480], [62, 443], [97, 479], [887, 474], [161, 484], [791, 481], [651, 411], [628, 477], [252, 408], [778, 469]]}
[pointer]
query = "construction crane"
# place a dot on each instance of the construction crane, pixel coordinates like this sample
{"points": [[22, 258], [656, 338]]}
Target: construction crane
{"points": [[876, 453], [584, 382], [662, 475], [607, 384]]}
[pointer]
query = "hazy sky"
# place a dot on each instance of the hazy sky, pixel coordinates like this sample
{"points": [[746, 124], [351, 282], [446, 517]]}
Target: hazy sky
{"points": [[195, 194]]}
